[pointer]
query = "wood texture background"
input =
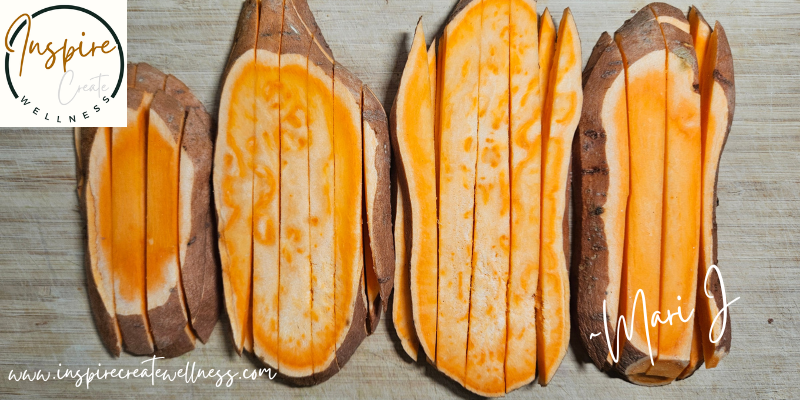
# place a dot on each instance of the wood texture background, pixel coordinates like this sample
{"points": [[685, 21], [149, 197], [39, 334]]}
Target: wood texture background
{"points": [[44, 311]]}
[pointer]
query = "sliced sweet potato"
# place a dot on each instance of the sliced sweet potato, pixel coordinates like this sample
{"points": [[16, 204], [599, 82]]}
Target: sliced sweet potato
{"points": [[294, 338], [458, 154], [486, 347], [696, 356], [562, 112], [432, 71], [266, 184], [321, 186], [412, 120], [700, 31], [644, 56], [402, 312], [350, 302], [377, 198], [681, 209], [718, 105], [526, 165], [233, 174], [169, 320], [601, 198], [93, 149], [547, 48], [128, 154]]}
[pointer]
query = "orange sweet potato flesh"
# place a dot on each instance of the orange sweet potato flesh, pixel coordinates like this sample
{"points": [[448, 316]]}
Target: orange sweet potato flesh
{"points": [[547, 48], [402, 312], [458, 132], [718, 106], [526, 164], [681, 207], [294, 338], [128, 152], [412, 119], [601, 198], [321, 191], [348, 192], [266, 184], [233, 175], [93, 148], [696, 355], [700, 31], [562, 111], [486, 347], [644, 54], [165, 299]]}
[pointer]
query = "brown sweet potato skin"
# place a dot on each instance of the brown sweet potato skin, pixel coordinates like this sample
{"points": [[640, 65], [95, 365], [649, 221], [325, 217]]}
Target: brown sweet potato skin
{"points": [[200, 269], [104, 318], [380, 226], [724, 75], [592, 184]]}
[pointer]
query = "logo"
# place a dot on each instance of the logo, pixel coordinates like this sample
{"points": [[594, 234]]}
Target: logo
{"points": [[64, 65]]}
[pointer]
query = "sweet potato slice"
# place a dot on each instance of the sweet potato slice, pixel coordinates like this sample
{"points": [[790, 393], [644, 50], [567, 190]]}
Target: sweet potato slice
{"points": [[350, 302], [681, 209], [93, 148], [644, 56], [412, 119], [402, 312], [166, 310], [700, 31], [601, 198], [233, 174], [128, 155], [458, 132], [294, 338], [199, 265], [562, 112], [486, 347], [526, 164], [718, 105], [377, 198], [547, 48], [696, 355], [321, 186], [266, 184]]}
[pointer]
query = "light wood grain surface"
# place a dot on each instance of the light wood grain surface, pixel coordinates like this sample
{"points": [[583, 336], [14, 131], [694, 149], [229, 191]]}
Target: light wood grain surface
{"points": [[44, 311]]}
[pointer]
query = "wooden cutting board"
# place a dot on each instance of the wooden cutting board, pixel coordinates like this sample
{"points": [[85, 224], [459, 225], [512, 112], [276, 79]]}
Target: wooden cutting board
{"points": [[45, 319]]}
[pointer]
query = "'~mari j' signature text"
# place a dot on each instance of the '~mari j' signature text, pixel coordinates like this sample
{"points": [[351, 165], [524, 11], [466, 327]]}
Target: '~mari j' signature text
{"points": [[655, 319]]}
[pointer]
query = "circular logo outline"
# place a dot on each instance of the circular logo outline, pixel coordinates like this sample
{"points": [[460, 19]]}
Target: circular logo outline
{"points": [[74, 8]]}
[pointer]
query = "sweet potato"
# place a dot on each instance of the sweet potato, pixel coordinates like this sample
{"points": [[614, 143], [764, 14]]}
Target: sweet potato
{"points": [[562, 111], [350, 302], [377, 198], [601, 198], [412, 121], [402, 312], [547, 48], [93, 149], [486, 347], [700, 31], [681, 207], [166, 310], [198, 255], [458, 132], [294, 346], [321, 186], [526, 165], [718, 105], [266, 184], [233, 174], [128, 202], [644, 55]]}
